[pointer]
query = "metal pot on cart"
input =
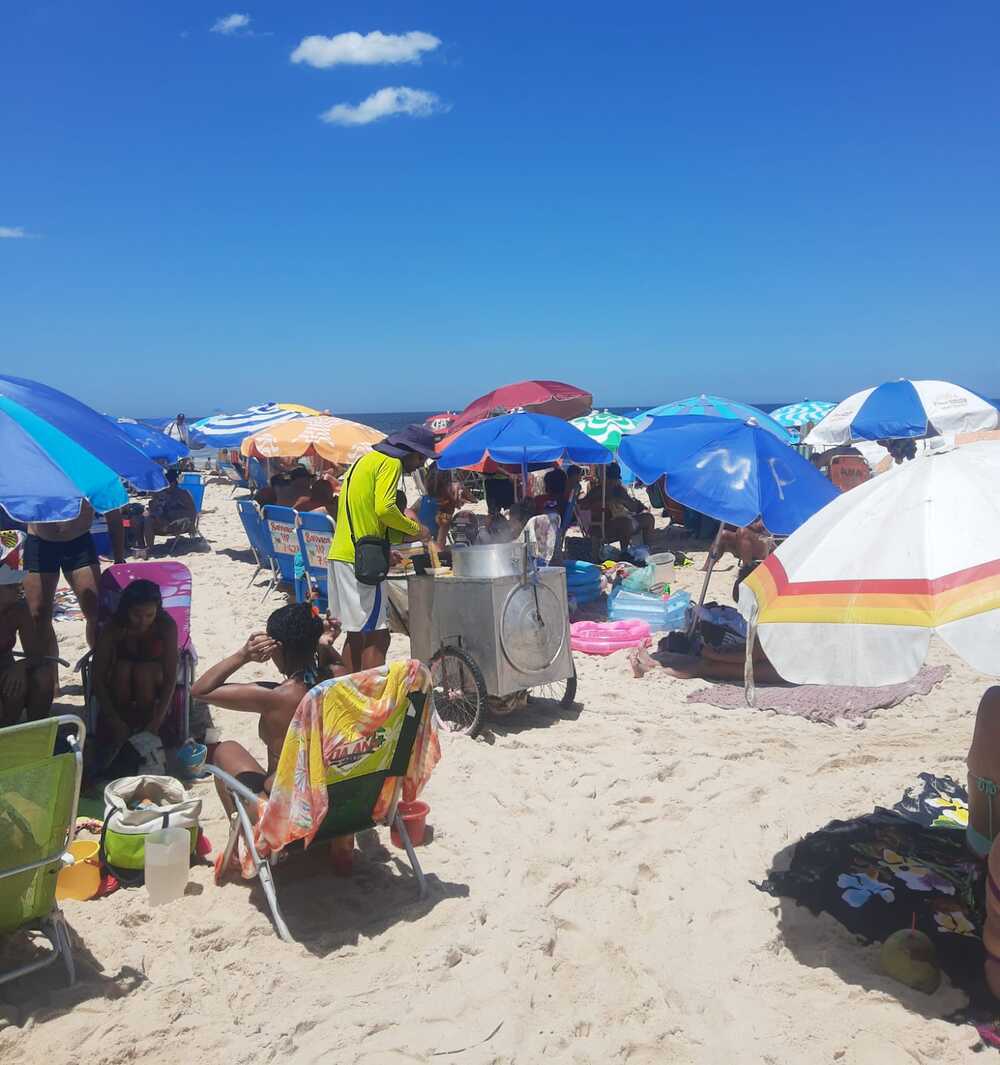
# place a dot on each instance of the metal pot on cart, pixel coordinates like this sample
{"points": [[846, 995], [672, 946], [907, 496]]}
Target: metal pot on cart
{"points": [[495, 626]]}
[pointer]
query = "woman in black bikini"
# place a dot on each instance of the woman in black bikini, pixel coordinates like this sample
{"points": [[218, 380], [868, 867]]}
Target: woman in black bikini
{"points": [[292, 642], [135, 665]]}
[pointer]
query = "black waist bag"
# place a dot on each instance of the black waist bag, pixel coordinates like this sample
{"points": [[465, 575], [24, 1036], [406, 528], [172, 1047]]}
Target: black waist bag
{"points": [[371, 553]]}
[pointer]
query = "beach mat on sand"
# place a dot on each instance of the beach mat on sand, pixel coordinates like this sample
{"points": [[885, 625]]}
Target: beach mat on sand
{"points": [[825, 704], [894, 869]]}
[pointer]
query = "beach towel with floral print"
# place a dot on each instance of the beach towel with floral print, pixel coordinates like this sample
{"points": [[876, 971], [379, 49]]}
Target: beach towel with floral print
{"points": [[344, 729], [902, 868]]}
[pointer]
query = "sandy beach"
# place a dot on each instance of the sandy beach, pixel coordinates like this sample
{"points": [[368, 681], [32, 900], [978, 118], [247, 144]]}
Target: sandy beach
{"points": [[591, 893]]}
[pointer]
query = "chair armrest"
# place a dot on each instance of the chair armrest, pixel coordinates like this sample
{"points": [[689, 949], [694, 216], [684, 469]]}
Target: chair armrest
{"points": [[233, 784]]}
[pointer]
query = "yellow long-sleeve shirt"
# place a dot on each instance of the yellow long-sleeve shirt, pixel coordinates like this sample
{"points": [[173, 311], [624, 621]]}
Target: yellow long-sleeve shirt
{"points": [[371, 484]]}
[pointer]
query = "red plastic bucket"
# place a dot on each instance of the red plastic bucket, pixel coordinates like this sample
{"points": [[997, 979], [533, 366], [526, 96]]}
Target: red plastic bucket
{"points": [[414, 815]]}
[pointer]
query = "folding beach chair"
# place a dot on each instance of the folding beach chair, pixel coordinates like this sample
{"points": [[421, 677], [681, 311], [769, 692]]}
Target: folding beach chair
{"points": [[314, 530], [174, 581], [233, 477], [260, 541], [39, 792], [355, 779], [280, 525]]}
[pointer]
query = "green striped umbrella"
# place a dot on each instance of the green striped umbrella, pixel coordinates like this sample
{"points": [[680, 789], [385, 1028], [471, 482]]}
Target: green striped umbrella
{"points": [[606, 428]]}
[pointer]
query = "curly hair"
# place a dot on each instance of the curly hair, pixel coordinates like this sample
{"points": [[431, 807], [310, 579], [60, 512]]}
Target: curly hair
{"points": [[297, 628], [138, 593]]}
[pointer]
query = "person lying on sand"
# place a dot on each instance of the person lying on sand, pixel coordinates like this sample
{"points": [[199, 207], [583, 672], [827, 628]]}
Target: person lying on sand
{"points": [[710, 664], [292, 642]]}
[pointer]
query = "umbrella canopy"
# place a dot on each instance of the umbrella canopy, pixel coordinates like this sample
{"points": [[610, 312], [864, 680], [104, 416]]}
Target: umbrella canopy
{"points": [[334, 439], [808, 412], [440, 423], [717, 407], [732, 471], [230, 430], [905, 409], [152, 443], [854, 595], [539, 397], [521, 440], [606, 428], [59, 452]]}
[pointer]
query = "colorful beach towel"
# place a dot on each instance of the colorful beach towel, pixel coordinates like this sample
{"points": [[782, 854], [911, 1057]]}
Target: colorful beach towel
{"points": [[901, 868], [344, 729], [826, 704]]}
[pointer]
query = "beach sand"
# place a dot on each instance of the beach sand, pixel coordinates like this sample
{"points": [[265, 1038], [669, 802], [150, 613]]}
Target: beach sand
{"points": [[590, 893]]}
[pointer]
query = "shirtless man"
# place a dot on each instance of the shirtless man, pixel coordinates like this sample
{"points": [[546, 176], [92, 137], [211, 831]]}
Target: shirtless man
{"points": [[67, 547]]}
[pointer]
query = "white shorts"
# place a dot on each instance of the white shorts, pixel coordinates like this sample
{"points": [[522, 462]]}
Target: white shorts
{"points": [[359, 607]]}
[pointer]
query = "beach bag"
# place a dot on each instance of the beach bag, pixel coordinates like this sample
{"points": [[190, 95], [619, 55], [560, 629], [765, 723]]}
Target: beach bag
{"points": [[371, 553], [136, 806]]}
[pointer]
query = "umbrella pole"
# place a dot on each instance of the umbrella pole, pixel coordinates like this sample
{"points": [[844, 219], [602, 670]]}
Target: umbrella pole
{"points": [[713, 557]]}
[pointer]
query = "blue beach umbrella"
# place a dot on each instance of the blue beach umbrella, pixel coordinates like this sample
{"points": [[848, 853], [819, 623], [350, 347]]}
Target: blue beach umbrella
{"points": [[152, 443], [732, 471], [522, 439], [230, 430], [58, 452], [808, 412], [718, 407], [903, 409]]}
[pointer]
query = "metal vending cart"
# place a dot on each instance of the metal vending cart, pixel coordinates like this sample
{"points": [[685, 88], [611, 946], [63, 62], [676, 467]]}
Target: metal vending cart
{"points": [[494, 627]]}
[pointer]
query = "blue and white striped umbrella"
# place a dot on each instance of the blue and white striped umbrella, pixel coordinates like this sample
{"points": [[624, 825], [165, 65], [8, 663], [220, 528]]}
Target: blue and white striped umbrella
{"points": [[718, 407], [808, 412], [229, 430], [900, 410]]}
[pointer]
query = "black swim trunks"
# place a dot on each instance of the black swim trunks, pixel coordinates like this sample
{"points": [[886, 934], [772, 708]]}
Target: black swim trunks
{"points": [[51, 556]]}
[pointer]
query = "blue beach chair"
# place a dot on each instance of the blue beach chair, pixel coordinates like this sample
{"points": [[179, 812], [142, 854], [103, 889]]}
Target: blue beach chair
{"points": [[314, 530], [259, 540], [280, 525]]}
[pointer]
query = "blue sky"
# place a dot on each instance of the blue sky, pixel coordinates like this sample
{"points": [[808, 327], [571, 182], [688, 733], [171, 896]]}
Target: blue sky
{"points": [[767, 201]]}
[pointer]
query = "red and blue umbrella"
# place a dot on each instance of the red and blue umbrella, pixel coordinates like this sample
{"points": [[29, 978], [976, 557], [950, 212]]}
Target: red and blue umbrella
{"points": [[522, 440], [57, 452]]}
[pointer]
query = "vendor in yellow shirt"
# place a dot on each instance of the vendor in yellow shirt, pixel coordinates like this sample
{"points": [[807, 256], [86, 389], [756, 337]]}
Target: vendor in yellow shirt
{"points": [[368, 507]]}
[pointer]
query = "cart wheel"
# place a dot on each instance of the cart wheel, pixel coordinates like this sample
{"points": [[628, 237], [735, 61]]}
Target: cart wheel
{"points": [[562, 692], [459, 691]]}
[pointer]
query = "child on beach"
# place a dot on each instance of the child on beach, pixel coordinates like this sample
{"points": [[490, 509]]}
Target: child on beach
{"points": [[135, 666]]}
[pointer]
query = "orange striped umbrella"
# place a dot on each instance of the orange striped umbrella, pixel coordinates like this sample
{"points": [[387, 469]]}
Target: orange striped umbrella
{"points": [[335, 439], [855, 593]]}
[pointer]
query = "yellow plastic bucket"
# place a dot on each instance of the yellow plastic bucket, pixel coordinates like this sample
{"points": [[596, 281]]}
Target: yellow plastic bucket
{"points": [[81, 879]]}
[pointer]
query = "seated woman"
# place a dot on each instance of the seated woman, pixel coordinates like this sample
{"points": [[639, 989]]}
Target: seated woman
{"points": [[292, 643], [438, 504], [556, 493], [135, 667], [624, 517]]}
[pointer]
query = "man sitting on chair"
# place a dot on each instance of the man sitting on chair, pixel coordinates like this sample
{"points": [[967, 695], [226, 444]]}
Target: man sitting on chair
{"points": [[169, 512]]}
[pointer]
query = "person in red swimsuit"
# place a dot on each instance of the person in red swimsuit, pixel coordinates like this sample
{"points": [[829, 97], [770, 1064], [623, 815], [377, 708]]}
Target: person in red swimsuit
{"points": [[135, 665]]}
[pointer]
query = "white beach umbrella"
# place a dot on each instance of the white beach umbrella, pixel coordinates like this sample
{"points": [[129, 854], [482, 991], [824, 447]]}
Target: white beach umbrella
{"points": [[854, 594], [899, 410]]}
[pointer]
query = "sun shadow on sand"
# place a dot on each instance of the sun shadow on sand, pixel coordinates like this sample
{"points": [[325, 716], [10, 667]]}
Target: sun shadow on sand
{"points": [[44, 995], [242, 555], [539, 713], [819, 941], [326, 913]]}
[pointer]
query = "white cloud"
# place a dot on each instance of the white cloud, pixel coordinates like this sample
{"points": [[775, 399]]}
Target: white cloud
{"points": [[13, 233], [230, 24], [367, 50], [384, 104]]}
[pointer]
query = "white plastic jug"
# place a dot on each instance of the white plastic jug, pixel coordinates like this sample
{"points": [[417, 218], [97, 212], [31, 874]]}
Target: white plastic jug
{"points": [[168, 856]]}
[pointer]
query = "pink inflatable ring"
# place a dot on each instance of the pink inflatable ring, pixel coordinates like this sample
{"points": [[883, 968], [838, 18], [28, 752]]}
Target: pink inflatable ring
{"points": [[606, 637]]}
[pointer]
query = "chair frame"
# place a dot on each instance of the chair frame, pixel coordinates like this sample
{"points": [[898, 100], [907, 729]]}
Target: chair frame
{"points": [[312, 581], [241, 823], [265, 563], [53, 926]]}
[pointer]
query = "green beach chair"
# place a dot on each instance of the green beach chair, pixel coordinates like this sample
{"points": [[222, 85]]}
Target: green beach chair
{"points": [[39, 792], [352, 801]]}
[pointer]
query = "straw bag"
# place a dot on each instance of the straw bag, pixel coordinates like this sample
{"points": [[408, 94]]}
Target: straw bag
{"points": [[164, 804]]}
